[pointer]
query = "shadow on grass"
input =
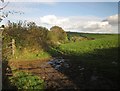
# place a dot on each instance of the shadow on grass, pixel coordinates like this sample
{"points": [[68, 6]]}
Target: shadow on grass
{"points": [[97, 70]]}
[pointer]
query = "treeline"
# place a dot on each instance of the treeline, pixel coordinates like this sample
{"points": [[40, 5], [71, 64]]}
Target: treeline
{"points": [[29, 36]]}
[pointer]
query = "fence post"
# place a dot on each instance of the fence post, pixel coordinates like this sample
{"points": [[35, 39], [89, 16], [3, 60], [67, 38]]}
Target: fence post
{"points": [[13, 47]]}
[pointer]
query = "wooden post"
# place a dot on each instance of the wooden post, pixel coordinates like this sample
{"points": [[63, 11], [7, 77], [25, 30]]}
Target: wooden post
{"points": [[13, 47]]}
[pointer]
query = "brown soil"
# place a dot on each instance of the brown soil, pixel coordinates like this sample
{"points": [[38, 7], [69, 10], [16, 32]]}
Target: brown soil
{"points": [[53, 78]]}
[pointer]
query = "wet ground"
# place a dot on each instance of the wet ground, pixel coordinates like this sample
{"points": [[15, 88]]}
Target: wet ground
{"points": [[60, 73]]}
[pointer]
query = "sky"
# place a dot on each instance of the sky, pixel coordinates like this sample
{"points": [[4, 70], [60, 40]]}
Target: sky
{"points": [[89, 17]]}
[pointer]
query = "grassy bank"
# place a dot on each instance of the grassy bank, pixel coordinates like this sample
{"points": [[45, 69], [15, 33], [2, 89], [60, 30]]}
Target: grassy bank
{"points": [[29, 56]]}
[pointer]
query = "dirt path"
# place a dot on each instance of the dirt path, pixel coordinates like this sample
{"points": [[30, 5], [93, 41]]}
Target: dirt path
{"points": [[53, 78], [76, 76]]}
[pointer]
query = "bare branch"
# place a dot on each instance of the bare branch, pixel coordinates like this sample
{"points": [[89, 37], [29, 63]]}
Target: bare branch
{"points": [[4, 6], [2, 1]]}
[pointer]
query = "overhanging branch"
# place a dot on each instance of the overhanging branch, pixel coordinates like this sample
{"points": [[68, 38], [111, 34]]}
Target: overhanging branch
{"points": [[4, 6]]}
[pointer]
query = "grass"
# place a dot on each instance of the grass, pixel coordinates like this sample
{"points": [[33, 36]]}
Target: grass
{"points": [[28, 56], [89, 46], [23, 80]]}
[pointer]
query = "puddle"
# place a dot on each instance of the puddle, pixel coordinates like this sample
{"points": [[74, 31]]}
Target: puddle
{"points": [[59, 63]]}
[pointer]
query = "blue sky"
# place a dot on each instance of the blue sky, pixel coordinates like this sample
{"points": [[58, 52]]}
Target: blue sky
{"points": [[101, 9], [55, 13]]}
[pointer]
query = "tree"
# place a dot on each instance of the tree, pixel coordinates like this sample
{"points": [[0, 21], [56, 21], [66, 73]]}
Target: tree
{"points": [[57, 35], [30, 37], [3, 14]]}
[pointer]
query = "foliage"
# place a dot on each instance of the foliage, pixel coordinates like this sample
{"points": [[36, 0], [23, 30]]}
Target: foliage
{"points": [[57, 35], [31, 41], [25, 36], [23, 80], [28, 37]]}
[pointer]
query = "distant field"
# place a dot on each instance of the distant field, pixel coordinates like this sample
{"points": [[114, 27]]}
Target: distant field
{"points": [[101, 41], [91, 35]]}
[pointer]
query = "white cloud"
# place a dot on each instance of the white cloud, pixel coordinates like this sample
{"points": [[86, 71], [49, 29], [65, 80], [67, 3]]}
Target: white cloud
{"points": [[93, 25], [50, 19], [53, 20], [89, 24], [113, 20]]}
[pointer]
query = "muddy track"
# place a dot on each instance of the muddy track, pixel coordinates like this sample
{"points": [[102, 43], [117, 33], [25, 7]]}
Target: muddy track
{"points": [[52, 77], [76, 76]]}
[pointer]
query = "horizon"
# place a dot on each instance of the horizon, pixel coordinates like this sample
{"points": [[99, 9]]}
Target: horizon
{"points": [[87, 17]]}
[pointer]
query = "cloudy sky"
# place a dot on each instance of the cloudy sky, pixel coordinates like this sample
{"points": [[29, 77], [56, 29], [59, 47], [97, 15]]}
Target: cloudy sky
{"points": [[90, 17]]}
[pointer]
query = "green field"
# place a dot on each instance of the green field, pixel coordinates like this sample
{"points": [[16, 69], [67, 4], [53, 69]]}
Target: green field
{"points": [[101, 41]]}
